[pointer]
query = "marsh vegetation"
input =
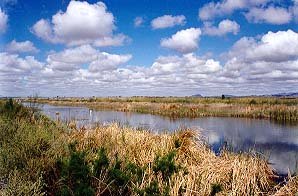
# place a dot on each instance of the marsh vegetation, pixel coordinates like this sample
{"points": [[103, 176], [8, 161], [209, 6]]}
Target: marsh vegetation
{"points": [[283, 110], [41, 157]]}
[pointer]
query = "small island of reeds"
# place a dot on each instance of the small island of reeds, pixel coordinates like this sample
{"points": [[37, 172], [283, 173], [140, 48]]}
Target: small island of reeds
{"points": [[282, 110]]}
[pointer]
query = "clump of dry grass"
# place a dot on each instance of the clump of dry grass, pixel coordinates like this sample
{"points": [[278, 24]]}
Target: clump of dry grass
{"points": [[290, 188], [236, 174]]}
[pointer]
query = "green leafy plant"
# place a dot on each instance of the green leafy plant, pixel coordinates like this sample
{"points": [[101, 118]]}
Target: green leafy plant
{"points": [[252, 102], [166, 165], [151, 190], [102, 162], [76, 174], [215, 188]]}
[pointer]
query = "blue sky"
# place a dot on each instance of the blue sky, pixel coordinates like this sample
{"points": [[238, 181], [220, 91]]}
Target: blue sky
{"points": [[179, 47]]}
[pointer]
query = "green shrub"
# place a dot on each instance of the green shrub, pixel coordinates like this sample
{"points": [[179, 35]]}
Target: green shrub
{"points": [[151, 190], [11, 110], [215, 188], [177, 143], [166, 165], [19, 185], [135, 172], [252, 102], [75, 174], [101, 163]]}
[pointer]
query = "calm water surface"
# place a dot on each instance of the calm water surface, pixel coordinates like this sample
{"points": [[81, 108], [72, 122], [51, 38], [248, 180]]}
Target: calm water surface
{"points": [[278, 143]]}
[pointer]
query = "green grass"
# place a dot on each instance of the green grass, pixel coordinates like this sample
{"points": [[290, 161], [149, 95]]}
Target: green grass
{"points": [[28, 147]]}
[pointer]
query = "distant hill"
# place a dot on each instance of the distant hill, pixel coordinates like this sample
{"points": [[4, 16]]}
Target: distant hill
{"points": [[230, 96], [285, 95], [268, 95], [197, 95]]}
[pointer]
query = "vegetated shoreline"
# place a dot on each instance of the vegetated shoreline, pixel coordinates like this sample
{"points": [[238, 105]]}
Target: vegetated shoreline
{"points": [[39, 156], [275, 109]]}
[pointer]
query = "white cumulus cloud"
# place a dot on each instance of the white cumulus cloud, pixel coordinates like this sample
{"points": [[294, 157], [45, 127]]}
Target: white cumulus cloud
{"points": [[256, 11], [13, 63], [272, 15], [226, 7], [81, 23], [224, 27], [73, 58], [264, 62], [116, 40], [106, 61], [138, 21], [183, 41], [187, 63], [272, 47], [21, 47], [167, 21], [43, 30]]}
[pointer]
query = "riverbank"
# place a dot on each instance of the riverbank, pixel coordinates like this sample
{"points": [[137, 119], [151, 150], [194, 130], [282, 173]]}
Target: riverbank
{"points": [[39, 156], [276, 109]]}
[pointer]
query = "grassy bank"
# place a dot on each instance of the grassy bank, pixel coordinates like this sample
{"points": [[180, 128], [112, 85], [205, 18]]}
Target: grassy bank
{"points": [[276, 109], [38, 156]]}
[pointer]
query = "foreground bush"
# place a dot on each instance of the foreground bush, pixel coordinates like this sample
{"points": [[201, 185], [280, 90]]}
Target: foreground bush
{"points": [[40, 157], [29, 146]]}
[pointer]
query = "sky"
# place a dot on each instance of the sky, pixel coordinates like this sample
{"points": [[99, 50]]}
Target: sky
{"points": [[148, 47]]}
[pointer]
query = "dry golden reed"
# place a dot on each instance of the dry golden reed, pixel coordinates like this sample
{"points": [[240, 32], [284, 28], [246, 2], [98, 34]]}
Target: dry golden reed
{"points": [[236, 174]]}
